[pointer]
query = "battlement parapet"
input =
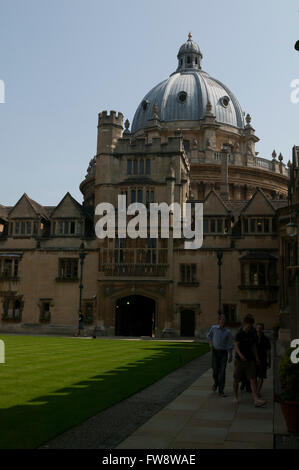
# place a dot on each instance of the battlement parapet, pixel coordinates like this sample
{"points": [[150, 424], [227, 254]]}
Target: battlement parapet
{"points": [[113, 118], [137, 146]]}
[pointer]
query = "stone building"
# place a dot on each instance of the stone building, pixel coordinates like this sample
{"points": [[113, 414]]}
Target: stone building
{"points": [[189, 142], [288, 226]]}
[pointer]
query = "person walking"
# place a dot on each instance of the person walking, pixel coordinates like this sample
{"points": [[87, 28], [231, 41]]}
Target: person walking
{"points": [[81, 323], [264, 354], [246, 359], [221, 344]]}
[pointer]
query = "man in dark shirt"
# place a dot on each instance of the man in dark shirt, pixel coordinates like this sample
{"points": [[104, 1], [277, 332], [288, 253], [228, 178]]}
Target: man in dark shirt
{"points": [[246, 359], [264, 354]]}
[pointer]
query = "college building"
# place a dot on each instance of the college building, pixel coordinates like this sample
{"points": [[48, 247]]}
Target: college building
{"points": [[190, 141]]}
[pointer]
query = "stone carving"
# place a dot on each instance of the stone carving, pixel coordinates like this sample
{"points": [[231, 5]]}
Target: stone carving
{"points": [[208, 108], [236, 148], [249, 149], [127, 125], [91, 170], [155, 111], [209, 144]]}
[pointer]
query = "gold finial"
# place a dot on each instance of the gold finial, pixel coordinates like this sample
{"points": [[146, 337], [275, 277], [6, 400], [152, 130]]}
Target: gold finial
{"points": [[190, 36]]}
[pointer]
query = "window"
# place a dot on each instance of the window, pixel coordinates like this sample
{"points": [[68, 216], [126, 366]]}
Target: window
{"points": [[205, 226], [137, 167], [22, 227], [139, 195], [255, 274], [133, 195], [252, 225], [225, 101], [245, 225], [9, 267], [45, 311], [66, 228], [258, 226], [12, 308], [188, 273], [212, 226], [182, 96], [230, 312], [68, 268], [219, 225]]}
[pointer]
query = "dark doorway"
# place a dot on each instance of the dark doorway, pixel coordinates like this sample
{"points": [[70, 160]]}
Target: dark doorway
{"points": [[187, 323], [135, 316]]}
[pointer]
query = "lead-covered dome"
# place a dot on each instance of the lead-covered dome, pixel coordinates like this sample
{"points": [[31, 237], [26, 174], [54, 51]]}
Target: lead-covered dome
{"points": [[186, 93]]}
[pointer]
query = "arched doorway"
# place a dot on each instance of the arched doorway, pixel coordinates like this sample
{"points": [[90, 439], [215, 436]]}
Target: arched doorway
{"points": [[187, 323], [135, 316]]}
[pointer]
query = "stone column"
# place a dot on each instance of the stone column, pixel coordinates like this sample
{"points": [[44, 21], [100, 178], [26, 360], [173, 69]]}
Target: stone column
{"points": [[224, 188]]}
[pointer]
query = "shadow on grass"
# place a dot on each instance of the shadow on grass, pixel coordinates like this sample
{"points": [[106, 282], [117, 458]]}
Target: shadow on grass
{"points": [[41, 419]]}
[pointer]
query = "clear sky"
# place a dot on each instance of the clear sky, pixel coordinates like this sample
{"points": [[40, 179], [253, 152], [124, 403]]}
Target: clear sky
{"points": [[64, 61]]}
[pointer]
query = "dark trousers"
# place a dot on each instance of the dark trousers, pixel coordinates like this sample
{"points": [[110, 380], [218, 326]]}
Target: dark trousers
{"points": [[219, 361]]}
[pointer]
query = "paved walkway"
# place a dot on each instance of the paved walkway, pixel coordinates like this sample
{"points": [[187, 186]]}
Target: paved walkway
{"points": [[199, 419]]}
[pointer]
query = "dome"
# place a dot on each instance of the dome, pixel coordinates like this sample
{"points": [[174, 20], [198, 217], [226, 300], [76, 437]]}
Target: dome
{"points": [[186, 93], [189, 47]]}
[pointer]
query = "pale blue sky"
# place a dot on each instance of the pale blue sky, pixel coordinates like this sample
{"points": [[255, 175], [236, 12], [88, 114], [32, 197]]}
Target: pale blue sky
{"points": [[63, 61]]}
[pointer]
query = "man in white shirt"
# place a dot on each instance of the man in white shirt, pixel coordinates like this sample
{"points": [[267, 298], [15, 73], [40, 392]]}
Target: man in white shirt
{"points": [[221, 344]]}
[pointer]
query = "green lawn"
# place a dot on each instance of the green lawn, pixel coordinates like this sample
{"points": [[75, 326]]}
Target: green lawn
{"points": [[48, 385]]}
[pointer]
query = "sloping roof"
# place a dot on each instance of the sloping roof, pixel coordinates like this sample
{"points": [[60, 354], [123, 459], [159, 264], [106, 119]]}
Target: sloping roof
{"points": [[75, 203], [251, 200], [36, 207], [213, 193]]}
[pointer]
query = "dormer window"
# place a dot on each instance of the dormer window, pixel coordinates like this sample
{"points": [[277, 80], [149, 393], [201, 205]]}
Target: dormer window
{"points": [[70, 228], [22, 228], [182, 96], [225, 101]]}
